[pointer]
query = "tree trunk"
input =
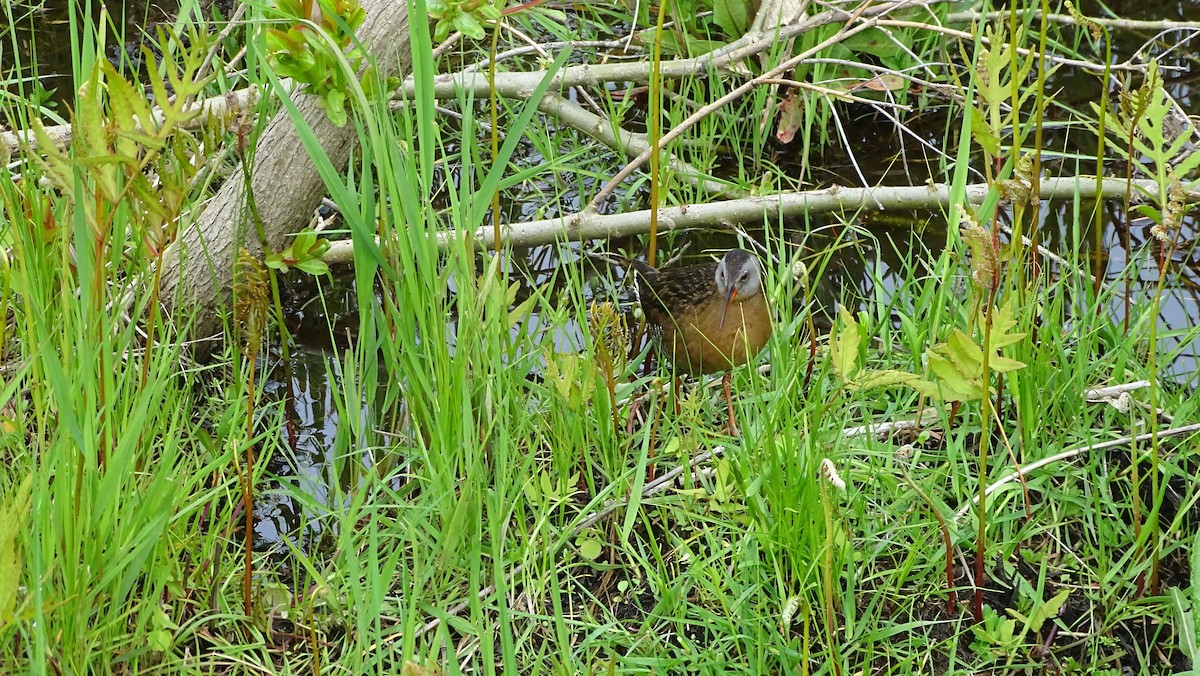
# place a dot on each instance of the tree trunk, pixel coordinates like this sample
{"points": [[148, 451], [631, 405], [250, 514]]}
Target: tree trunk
{"points": [[198, 268]]}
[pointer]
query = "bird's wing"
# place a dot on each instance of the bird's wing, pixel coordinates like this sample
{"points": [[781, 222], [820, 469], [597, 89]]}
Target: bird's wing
{"points": [[676, 291]]}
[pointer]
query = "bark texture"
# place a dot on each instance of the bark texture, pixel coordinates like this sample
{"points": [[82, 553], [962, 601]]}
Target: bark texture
{"points": [[198, 267]]}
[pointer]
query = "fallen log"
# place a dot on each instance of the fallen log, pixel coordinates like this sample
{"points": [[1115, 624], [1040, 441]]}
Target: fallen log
{"points": [[197, 277]]}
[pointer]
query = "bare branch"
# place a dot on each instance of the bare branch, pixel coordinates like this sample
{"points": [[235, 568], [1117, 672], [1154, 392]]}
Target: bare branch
{"points": [[722, 215]]}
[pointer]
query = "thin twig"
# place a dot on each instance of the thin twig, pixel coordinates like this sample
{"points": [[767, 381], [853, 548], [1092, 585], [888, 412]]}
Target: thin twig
{"points": [[883, 429], [1118, 397], [221, 107], [522, 84], [1124, 24], [546, 47], [446, 45], [1128, 65], [620, 139], [733, 95], [1066, 455], [835, 93], [1102, 394]]}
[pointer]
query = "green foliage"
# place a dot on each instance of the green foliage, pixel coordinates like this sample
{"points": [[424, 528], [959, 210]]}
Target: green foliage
{"points": [[479, 423], [733, 16], [996, 637], [13, 512], [1186, 604], [846, 358], [1145, 121], [304, 253], [1043, 612], [956, 364], [1002, 638], [573, 377], [465, 16], [102, 421], [1001, 73], [1157, 139], [119, 143], [318, 50], [590, 546]]}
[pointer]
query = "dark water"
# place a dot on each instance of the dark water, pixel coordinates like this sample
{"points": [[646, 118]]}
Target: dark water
{"points": [[35, 43]]}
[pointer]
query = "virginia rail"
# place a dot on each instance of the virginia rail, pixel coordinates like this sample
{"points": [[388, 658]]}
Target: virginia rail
{"points": [[709, 317]]}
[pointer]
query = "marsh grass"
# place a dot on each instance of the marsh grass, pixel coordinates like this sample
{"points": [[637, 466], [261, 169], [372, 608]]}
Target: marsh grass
{"points": [[475, 441]]}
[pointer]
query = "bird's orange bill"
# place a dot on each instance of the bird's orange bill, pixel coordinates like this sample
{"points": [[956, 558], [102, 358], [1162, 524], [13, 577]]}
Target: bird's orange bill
{"points": [[729, 298]]}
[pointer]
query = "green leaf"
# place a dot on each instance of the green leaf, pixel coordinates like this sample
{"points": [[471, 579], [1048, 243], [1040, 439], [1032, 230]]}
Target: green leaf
{"points": [[874, 41], [957, 364], [148, 195], [988, 141], [441, 30], [469, 26], [276, 599], [51, 159], [590, 547], [1004, 364], [572, 377], [1004, 319], [869, 380], [313, 266], [967, 356], [335, 107], [846, 359], [927, 388], [521, 312], [304, 240], [1006, 631], [954, 384], [1048, 610], [128, 111], [1195, 573], [843, 350], [1186, 608], [697, 47], [1185, 625], [319, 248], [733, 16], [1149, 212], [356, 17], [276, 261], [291, 8], [159, 640], [279, 41], [532, 494]]}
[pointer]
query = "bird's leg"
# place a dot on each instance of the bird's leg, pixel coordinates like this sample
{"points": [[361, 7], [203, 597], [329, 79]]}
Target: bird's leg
{"points": [[729, 404]]}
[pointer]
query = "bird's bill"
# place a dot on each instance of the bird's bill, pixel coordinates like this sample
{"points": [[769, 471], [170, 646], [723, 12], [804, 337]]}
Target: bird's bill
{"points": [[729, 298]]}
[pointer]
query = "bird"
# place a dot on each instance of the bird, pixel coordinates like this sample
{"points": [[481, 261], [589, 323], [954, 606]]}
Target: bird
{"points": [[709, 317]]}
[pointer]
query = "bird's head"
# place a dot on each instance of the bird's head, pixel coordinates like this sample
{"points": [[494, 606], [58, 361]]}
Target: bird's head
{"points": [[738, 278]]}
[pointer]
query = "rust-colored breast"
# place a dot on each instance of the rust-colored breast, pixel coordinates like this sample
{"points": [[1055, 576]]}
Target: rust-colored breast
{"points": [[685, 308]]}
